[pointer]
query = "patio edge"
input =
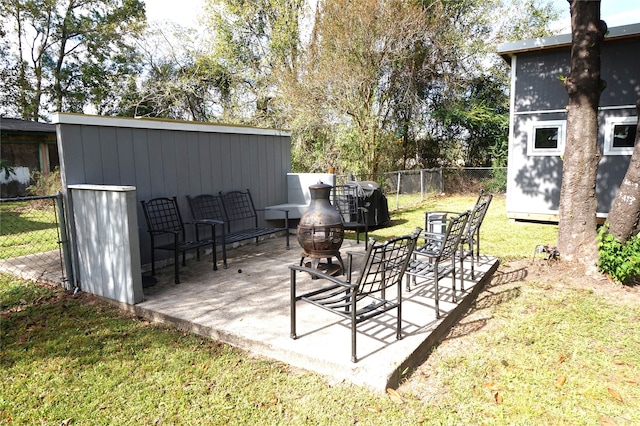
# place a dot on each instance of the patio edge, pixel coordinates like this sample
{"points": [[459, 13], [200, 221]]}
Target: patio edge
{"points": [[422, 352]]}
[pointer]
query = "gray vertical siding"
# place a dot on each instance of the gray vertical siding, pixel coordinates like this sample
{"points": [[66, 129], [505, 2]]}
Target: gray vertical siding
{"points": [[539, 85], [107, 241], [166, 159], [534, 181]]}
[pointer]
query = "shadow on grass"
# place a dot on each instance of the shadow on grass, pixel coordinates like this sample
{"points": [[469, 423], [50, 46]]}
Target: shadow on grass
{"points": [[16, 222], [489, 298]]}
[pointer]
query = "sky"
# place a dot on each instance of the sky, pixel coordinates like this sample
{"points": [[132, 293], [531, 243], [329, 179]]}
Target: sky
{"points": [[614, 12]]}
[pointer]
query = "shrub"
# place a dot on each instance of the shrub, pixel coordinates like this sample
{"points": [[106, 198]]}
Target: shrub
{"points": [[45, 185], [620, 261], [6, 169], [498, 181]]}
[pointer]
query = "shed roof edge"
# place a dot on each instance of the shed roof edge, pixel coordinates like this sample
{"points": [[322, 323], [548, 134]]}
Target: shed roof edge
{"points": [[541, 43], [162, 124]]}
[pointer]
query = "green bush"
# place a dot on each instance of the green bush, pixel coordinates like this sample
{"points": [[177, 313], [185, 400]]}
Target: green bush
{"points": [[498, 181], [620, 261], [45, 185], [6, 169]]}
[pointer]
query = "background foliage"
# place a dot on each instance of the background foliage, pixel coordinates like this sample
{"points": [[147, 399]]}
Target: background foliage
{"points": [[365, 87]]}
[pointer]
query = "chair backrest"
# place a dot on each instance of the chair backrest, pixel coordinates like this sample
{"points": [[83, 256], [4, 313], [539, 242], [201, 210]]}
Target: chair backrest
{"points": [[206, 206], [451, 239], [162, 215], [386, 263], [237, 206], [347, 201], [477, 214]]}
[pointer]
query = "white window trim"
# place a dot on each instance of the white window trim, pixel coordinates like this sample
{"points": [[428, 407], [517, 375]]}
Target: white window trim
{"points": [[533, 151], [609, 126]]}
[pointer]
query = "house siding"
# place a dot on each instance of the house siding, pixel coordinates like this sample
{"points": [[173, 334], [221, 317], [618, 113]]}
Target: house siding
{"points": [[534, 181]]}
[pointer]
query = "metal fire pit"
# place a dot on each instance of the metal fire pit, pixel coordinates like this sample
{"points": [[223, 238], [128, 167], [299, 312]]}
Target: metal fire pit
{"points": [[320, 231]]}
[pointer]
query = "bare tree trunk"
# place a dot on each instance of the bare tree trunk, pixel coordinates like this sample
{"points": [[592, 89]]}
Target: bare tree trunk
{"points": [[578, 204], [624, 214]]}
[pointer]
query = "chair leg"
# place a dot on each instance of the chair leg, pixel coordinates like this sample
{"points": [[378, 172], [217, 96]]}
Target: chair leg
{"points": [[224, 254], [292, 301], [437, 291], [176, 260], [153, 261], [473, 273], [453, 279], [399, 321], [213, 248], [176, 265], [354, 358], [461, 272]]}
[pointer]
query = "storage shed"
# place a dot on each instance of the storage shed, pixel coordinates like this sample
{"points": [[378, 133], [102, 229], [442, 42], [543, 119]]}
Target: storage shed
{"points": [[109, 164], [538, 117]]}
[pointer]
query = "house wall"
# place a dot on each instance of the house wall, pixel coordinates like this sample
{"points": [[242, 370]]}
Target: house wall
{"points": [[26, 153], [170, 158], [534, 181]]}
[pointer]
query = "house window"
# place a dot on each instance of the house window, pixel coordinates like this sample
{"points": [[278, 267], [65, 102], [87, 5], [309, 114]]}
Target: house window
{"points": [[620, 135], [546, 138]]}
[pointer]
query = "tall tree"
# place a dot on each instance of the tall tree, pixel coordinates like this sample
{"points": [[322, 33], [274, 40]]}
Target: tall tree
{"points": [[257, 43], [180, 80], [70, 53], [624, 215], [577, 210], [352, 73]]}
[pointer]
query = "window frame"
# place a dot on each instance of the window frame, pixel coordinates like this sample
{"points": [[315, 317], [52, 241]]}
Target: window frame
{"points": [[609, 127], [541, 152]]}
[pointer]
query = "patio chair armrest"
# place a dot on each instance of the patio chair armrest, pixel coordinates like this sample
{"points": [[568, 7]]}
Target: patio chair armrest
{"points": [[163, 231], [434, 236], [209, 222], [285, 211], [272, 209], [320, 274]]}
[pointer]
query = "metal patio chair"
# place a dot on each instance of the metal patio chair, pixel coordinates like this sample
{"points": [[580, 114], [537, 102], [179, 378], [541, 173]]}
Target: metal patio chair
{"points": [[471, 237], [435, 258], [470, 243], [346, 199], [238, 218], [163, 219], [369, 296]]}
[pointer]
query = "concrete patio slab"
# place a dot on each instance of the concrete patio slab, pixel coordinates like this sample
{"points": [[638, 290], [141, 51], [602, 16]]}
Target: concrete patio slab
{"points": [[248, 306]]}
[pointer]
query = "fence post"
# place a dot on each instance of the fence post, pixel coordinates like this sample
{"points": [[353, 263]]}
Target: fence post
{"points": [[421, 184], [398, 191], [441, 181], [64, 242]]}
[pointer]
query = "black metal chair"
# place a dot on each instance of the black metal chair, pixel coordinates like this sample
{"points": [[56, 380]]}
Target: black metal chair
{"points": [[367, 297], [435, 258], [470, 242], [347, 200], [471, 237], [237, 216], [163, 219], [206, 209]]}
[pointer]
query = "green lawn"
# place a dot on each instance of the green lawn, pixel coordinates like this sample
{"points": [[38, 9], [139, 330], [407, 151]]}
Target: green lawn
{"points": [[500, 237], [27, 228], [535, 353]]}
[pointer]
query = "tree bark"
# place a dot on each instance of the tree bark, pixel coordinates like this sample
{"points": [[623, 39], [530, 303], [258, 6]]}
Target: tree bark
{"points": [[624, 214], [577, 210]]}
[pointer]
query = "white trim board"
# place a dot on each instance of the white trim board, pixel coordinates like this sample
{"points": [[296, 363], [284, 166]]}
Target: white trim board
{"points": [[158, 124]]}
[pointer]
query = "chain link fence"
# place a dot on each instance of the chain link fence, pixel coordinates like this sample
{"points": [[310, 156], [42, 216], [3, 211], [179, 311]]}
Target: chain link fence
{"points": [[30, 238], [408, 187], [31, 233]]}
